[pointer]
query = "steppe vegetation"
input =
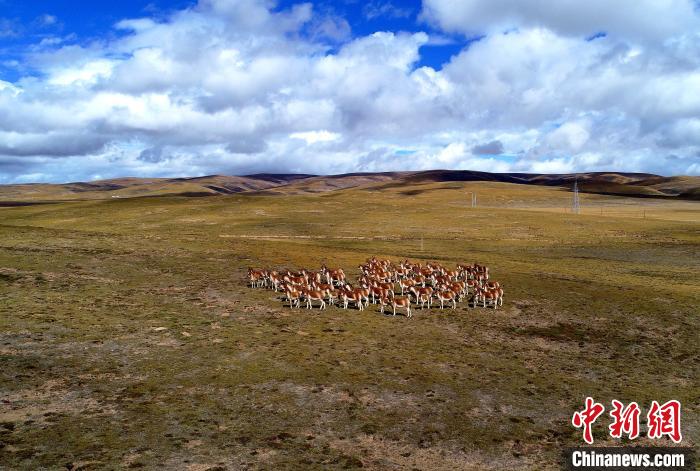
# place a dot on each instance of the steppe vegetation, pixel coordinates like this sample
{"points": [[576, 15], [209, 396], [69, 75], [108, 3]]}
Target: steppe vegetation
{"points": [[128, 337]]}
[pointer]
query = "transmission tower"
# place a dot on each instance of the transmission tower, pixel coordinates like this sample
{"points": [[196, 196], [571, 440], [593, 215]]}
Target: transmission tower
{"points": [[575, 205]]}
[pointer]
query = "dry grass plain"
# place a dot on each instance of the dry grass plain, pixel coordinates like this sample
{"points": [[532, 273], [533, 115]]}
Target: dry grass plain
{"points": [[128, 338]]}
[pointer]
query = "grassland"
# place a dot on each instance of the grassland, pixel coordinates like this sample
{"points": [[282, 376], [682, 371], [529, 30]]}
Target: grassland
{"points": [[128, 338]]}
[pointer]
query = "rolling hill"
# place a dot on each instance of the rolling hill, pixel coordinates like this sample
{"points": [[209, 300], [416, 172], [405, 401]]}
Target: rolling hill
{"points": [[610, 183]]}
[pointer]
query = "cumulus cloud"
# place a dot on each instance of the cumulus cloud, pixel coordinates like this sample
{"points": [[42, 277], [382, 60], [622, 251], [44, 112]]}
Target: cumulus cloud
{"points": [[639, 20], [239, 86]]}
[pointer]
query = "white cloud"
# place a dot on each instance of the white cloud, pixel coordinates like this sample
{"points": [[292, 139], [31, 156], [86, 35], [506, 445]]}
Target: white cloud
{"points": [[312, 137], [570, 136], [89, 72], [233, 86], [639, 20], [7, 87]]}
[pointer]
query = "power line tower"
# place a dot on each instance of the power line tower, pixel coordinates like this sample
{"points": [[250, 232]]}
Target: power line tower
{"points": [[576, 205]]}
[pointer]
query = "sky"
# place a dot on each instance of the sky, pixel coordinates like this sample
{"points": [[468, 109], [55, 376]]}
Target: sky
{"points": [[96, 90]]}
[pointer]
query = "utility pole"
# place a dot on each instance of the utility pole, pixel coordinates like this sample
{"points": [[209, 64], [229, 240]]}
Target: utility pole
{"points": [[473, 195], [576, 206]]}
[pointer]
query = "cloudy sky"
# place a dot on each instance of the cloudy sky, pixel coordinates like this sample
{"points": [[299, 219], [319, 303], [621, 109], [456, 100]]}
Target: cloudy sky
{"points": [[178, 88]]}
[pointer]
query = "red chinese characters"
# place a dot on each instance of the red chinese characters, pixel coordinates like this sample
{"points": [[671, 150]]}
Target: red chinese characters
{"points": [[587, 417], [625, 420], [662, 420], [665, 420]]}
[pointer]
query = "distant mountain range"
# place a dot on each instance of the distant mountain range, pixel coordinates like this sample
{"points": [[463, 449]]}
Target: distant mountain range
{"points": [[611, 183]]}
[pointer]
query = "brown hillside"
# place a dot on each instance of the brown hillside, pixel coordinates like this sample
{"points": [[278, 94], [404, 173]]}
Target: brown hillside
{"points": [[612, 183]]}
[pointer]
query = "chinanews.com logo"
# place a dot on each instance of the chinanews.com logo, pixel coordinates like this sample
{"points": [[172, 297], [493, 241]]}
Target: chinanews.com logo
{"points": [[663, 421]]}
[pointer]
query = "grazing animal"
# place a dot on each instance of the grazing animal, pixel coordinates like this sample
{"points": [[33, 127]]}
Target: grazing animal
{"points": [[364, 294], [275, 280], [378, 292], [459, 287], [335, 276], [499, 292], [423, 299], [425, 295], [351, 295], [401, 301], [314, 295], [406, 284], [383, 302], [447, 296], [256, 278], [332, 294], [490, 297], [486, 297], [293, 295]]}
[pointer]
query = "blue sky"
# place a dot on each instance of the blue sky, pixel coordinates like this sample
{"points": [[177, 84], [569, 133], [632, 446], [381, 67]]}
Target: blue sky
{"points": [[82, 22], [96, 90]]}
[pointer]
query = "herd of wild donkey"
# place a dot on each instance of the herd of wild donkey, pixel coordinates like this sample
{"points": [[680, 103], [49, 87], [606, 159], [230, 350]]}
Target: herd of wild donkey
{"points": [[378, 280]]}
